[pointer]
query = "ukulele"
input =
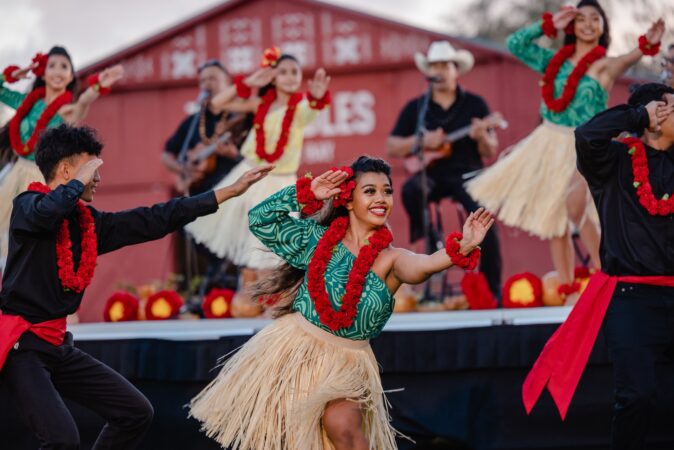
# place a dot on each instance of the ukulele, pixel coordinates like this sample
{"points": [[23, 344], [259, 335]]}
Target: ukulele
{"points": [[429, 155], [200, 161]]}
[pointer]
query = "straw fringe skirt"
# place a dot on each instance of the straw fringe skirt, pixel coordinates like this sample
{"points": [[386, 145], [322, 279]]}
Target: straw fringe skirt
{"points": [[16, 180], [529, 186], [226, 233], [271, 394]]}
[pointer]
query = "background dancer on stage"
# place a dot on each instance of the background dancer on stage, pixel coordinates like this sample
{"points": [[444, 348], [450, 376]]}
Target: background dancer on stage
{"points": [[48, 104], [213, 151], [450, 108], [281, 114], [52, 230], [310, 380], [632, 181], [536, 187]]}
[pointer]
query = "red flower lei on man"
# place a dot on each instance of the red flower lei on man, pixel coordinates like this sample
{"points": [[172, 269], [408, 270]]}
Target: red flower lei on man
{"points": [[73, 280], [641, 172]]}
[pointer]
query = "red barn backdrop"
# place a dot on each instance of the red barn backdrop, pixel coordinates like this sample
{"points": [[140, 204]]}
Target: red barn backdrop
{"points": [[373, 76]]}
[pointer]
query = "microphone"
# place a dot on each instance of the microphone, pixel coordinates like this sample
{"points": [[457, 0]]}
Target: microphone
{"points": [[433, 79], [203, 95]]}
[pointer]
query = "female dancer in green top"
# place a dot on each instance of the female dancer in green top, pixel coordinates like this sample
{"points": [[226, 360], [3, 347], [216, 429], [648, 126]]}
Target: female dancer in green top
{"points": [[48, 104], [536, 187], [310, 380]]}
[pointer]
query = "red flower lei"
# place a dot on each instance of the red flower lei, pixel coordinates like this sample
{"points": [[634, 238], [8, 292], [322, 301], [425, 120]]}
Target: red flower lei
{"points": [[258, 124], [26, 149], [342, 318], [640, 170], [71, 280], [453, 247], [548, 86], [647, 48]]}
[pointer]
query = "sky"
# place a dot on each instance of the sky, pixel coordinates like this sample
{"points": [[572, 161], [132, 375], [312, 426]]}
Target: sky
{"points": [[80, 25]]}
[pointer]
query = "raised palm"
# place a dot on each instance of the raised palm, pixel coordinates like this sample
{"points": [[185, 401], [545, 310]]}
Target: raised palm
{"points": [[326, 185], [475, 228], [656, 31], [111, 75], [319, 85]]}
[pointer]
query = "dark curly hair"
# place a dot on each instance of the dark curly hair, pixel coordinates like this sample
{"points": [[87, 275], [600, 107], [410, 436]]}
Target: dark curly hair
{"points": [[64, 141], [643, 94], [286, 279]]}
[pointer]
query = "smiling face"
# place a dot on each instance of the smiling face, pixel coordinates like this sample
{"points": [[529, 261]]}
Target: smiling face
{"points": [[289, 77], [588, 25], [372, 199], [58, 73]]}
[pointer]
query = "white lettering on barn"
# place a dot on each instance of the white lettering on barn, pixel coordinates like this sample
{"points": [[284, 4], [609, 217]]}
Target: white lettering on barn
{"points": [[351, 113]]}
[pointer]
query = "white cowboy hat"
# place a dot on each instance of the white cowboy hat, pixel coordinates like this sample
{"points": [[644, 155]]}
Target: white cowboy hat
{"points": [[442, 51]]}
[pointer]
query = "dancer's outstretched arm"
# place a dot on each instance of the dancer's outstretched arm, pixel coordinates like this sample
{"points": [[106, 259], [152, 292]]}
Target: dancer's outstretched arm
{"points": [[227, 99], [74, 113], [413, 268]]}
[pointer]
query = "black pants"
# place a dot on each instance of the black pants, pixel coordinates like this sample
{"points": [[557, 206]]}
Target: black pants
{"points": [[37, 374], [441, 186], [639, 330]]}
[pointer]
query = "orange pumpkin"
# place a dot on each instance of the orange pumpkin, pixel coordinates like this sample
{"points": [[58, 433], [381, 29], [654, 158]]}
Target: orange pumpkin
{"points": [[551, 295]]}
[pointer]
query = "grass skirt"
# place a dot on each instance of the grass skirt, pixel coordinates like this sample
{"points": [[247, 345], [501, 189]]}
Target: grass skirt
{"points": [[529, 186], [22, 173], [226, 233], [271, 394]]}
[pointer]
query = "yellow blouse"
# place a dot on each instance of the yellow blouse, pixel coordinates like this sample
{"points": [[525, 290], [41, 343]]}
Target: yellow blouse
{"points": [[292, 155]]}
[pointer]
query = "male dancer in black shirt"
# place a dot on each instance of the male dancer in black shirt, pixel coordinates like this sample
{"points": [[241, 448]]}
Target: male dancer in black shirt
{"points": [[51, 233], [631, 181]]}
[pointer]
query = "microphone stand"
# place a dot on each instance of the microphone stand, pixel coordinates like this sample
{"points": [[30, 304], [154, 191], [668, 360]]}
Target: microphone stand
{"points": [[419, 153], [190, 253]]}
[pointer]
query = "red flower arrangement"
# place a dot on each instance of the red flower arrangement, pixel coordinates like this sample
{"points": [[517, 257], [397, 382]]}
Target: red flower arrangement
{"points": [[163, 305], [548, 26], [452, 247], [218, 304], [258, 124], [310, 205], [476, 290], [548, 82], [7, 73], [94, 83], [121, 307], [641, 171], [26, 149], [342, 318], [524, 290], [73, 280], [270, 57], [647, 48], [41, 60]]}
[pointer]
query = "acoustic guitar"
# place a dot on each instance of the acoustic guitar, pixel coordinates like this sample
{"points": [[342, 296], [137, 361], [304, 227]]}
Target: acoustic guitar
{"points": [[414, 164]]}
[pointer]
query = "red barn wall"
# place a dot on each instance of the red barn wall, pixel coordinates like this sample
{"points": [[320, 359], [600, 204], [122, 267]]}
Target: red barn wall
{"points": [[370, 61]]}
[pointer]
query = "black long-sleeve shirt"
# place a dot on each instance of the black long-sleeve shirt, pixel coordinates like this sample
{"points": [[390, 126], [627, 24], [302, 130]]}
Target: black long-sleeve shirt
{"points": [[31, 287], [633, 242]]}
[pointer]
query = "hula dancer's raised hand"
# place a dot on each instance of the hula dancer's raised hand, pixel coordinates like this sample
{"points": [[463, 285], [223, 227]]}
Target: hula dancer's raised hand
{"points": [[475, 229], [319, 85], [23, 73], [327, 185], [260, 77], [564, 16], [655, 32], [111, 75]]}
